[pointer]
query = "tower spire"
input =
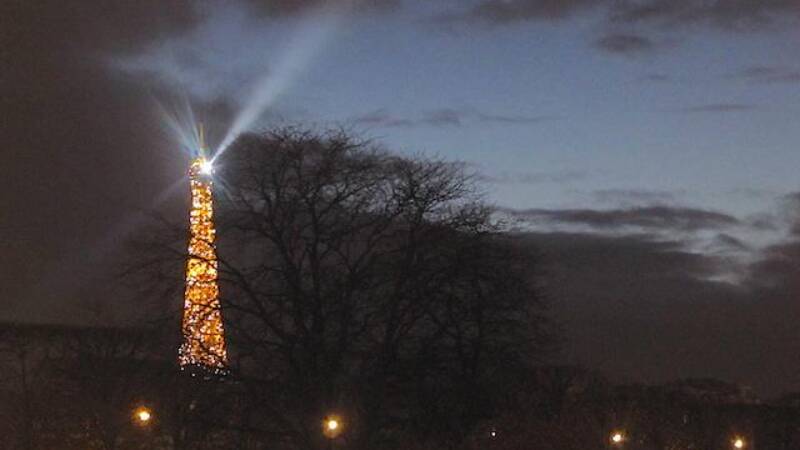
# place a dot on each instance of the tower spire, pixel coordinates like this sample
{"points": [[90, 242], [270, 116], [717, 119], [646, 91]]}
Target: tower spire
{"points": [[203, 332]]}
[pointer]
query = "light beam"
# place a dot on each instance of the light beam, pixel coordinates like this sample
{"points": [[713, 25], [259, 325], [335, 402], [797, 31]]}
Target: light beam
{"points": [[305, 44]]}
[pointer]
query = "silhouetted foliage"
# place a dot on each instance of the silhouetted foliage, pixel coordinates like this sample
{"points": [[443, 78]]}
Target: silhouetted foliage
{"points": [[358, 281]]}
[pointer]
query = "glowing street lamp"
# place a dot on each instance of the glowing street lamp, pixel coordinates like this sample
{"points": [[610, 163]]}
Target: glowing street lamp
{"points": [[143, 415], [332, 426], [617, 438], [739, 443]]}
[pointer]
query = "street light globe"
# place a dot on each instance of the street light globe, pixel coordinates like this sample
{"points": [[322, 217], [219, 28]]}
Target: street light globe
{"points": [[738, 443], [143, 415], [332, 426], [617, 437]]}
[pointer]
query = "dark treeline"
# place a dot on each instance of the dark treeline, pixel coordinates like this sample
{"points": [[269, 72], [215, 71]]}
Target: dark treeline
{"points": [[78, 388], [359, 283]]}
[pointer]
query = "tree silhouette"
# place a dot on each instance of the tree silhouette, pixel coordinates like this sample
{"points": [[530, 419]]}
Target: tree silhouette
{"points": [[357, 281]]}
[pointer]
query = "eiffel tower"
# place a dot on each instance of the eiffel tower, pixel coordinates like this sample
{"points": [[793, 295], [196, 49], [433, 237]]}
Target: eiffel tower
{"points": [[203, 346]]}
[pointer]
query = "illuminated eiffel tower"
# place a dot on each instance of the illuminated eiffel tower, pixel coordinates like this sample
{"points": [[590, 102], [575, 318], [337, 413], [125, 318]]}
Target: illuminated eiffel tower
{"points": [[203, 344]]}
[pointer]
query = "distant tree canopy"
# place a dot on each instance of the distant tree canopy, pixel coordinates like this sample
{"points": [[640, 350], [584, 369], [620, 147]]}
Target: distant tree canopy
{"points": [[361, 282]]}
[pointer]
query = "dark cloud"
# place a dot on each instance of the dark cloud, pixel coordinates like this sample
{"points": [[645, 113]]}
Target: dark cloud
{"points": [[291, 7], [381, 118], [634, 196], [511, 11], [513, 119], [734, 15], [763, 222], [458, 117], [640, 256], [752, 193], [726, 242], [718, 108], [84, 147], [535, 177], [631, 21], [779, 267], [791, 203], [626, 44], [653, 217], [644, 308], [647, 310], [43, 33], [793, 199], [769, 74], [446, 117]]}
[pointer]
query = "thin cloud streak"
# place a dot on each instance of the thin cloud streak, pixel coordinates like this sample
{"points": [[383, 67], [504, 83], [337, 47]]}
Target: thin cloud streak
{"points": [[634, 196], [718, 108], [501, 12], [741, 15], [446, 117], [565, 176], [299, 7], [769, 74], [652, 217], [625, 44]]}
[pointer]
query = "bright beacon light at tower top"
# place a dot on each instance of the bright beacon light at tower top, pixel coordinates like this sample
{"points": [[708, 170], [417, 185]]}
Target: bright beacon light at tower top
{"points": [[206, 167], [202, 164]]}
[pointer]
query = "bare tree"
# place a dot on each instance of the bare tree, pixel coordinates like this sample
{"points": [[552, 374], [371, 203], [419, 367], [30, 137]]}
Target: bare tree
{"points": [[360, 282], [22, 404], [68, 387]]}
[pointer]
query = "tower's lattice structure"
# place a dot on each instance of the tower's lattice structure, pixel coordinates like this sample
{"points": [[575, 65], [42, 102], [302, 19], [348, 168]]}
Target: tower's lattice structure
{"points": [[203, 333]]}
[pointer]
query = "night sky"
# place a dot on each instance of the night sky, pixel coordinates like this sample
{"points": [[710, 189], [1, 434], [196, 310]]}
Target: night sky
{"points": [[647, 149]]}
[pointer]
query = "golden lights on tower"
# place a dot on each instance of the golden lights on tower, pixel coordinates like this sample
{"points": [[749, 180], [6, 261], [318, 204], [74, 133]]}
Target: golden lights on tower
{"points": [[203, 334]]}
